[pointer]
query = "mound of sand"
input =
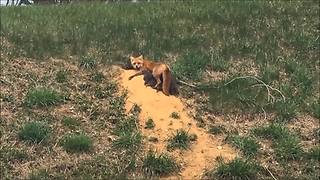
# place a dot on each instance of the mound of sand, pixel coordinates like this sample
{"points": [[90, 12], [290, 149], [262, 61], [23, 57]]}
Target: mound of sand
{"points": [[159, 107]]}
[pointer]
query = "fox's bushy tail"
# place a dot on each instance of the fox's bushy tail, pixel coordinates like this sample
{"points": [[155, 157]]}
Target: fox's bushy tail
{"points": [[167, 77]]}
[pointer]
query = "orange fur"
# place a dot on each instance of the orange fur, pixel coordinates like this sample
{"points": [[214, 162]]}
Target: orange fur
{"points": [[158, 70]]}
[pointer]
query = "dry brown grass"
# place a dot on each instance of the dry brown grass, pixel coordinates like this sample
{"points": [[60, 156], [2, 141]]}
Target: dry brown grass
{"points": [[17, 77]]}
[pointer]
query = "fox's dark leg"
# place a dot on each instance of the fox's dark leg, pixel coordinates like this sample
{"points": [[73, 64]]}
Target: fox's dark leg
{"points": [[137, 74]]}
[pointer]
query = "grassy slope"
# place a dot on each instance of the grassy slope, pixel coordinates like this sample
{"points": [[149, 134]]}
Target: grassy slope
{"points": [[210, 43]]}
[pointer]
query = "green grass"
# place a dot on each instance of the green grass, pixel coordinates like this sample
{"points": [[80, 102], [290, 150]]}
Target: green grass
{"points": [[129, 141], [218, 129], [95, 168], [97, 77], [288, 148], [42, 97], [217, 61], [235, 169], [149, 124], [315, 109], [159, 165], [9, 154], [112, 87], [175, 115], [179, 140], [99, 93], [191, 65], [279, 38], [39, 175], [247, 145], [276, 42], [273, 131], [34, 132], [69, 122], [76, 143], [270, 73], [61, 76], [286, 110], [129, 137], [285, 143], [136, 109], [235, 94], [314, 153], [87, 62], [125, 126], [7, 97]]}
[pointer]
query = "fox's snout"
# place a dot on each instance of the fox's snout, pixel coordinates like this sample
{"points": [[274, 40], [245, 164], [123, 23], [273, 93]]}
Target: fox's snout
{"points": [[136, 65]]}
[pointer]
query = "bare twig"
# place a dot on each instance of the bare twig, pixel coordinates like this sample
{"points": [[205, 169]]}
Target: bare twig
{"points": [[268, 90], [265, 113], [268, 87], [266, 168], [187, 84], [210, 74]]}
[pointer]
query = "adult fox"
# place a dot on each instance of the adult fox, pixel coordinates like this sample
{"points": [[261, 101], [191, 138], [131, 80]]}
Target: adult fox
{"points": [[158, 70], [149, 80]]}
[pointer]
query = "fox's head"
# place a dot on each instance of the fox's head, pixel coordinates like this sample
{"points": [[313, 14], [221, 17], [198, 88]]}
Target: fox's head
{"points": [[136, 62]]}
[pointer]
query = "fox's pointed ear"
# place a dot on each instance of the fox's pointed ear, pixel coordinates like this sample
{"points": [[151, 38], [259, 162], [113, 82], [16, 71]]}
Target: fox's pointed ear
{"points": [[140, 57], [131, 58]]}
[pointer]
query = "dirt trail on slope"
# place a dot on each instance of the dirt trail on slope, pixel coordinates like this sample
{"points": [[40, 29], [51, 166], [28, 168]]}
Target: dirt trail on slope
{"points": [[159, 107]]}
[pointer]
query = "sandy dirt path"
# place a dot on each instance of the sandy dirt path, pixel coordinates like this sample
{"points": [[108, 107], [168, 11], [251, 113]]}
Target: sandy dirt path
{"points": [[159, 107]]}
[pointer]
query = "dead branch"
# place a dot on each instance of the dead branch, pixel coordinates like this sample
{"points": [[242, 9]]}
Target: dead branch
{"points": [[268, 87], [187, 84], [266, 168]]}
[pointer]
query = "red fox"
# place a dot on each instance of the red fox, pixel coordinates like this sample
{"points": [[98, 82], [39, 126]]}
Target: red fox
{"points": [[149, 80], [158, 70]]}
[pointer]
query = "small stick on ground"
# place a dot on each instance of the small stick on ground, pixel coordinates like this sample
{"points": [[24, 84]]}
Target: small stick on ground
{"points": [[266, 168], [187, 84], [268, 87]]}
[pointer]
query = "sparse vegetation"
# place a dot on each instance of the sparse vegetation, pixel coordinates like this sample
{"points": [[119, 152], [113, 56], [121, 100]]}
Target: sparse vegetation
{"points": [[286, 144], [288, 148], [97, 167], [9, 154], [179, 140], [87, 62], [286, 110], [39, 175], [129, 141], [34, 132], [175, 115], [270, 73], [159, 165], [61, 76], [70, 122], [247, 145], [129, 137], [236, 169], [97, 77], [314, 153], [315, 109], [273, 131], [191, 65], [149, 124], [216, 129], [77, 143], [135, 109], [42, 97]]}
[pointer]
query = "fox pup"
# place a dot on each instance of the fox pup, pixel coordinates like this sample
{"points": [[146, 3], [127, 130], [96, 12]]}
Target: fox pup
{"points": [[158, 70]]}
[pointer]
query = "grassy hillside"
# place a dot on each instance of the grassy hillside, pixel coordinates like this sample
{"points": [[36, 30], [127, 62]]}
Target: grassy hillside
{"points": [[255, 63], [277, 41]]}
